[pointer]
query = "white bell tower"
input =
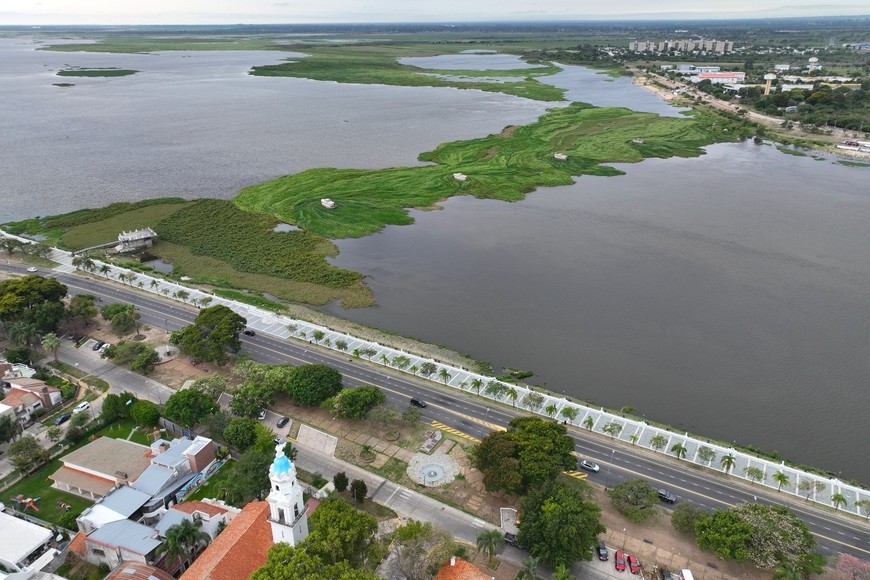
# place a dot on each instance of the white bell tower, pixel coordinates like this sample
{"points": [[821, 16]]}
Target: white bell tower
{"points": [[287, 511]]}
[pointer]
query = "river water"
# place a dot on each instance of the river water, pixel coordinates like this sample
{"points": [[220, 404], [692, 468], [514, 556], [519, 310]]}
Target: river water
{"points": [[727, 295]]}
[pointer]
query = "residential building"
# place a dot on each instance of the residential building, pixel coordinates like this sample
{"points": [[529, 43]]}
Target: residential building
{"points": [[22, 544], [98, 467], [459, 569], [137, 571], [121, 541], [720, 77]]}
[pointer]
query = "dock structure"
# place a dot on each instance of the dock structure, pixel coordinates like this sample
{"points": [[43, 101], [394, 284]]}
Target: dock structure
{"points": [[135, 240]]}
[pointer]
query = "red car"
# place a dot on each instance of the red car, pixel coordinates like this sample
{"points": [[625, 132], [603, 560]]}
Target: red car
{"points": [[633, 564], [619, 561]]}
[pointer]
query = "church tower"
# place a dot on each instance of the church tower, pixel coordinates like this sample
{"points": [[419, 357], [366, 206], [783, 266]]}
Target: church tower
{"points": [[287, 514]]}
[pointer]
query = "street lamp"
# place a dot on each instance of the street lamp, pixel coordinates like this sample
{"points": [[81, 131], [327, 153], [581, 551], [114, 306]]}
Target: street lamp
{"points": [[607, 477], [623, 539]]}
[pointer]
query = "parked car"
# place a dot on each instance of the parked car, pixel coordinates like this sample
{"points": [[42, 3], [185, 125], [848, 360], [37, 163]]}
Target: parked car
{"points": [[419, 403], [601, 551], [619, 561], [279, 440], [667, 496], [62, 419], [588, 465], [249, 332], [282, 421], [98, 344], [262, 414], [83, 406], [633, 564], [665, 574], [511, 540], [31, 269]]}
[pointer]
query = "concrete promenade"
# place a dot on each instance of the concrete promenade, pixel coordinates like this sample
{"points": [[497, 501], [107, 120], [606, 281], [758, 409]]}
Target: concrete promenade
{"points": [[801, 484]]}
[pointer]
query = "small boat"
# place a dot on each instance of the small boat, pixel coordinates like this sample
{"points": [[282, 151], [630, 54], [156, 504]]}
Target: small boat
{"points": [[327, 203]]}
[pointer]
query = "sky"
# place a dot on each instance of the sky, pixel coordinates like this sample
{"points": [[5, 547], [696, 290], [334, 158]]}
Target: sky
{"points": [[44, 12]]}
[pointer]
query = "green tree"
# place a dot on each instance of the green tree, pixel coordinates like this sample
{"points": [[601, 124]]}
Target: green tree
{"points": [[679, 450], [588, 422], [419, 547], [778, 535], [9, 429], [184, 540], [314, 383], [570, 413], [658, 442], [287, 563], [250, 398], [251, 475], [489, 542], [80, 313], [145, 413], [529, 570], [725, 533], [340, 481], [212, 385], [105, 270], [512, 394], [317, 335], [241, 433], [685, 516], [114, 408], [214, 332], [358, 490], [444, 375], [559, 525], [26, 454], [839, 499], [780, 478], [51, 343], [476, 383], [534, 402], [54, 433], [188, 407], [341, 533], [754, 473], [341, 344], [428, 369], [634, 498], [728, 462], [561, 572], [357, 402], [550, 410], [706, 454], [123, 317]]}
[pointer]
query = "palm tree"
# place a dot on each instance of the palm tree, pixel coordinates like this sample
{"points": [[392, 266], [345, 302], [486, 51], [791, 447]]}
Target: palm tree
{"points": [[787, 570], [863, 503], [781, 478], [51, 342], [122, 277], [476, 384], [562, 573], [839, 499], [444, 375], [728, 462], [414, 369], [550, 410], [184, 539], [164, 291], [182, 295], [489, 542], [679, 450], [77, 261], [512, 394], [530, 568], [88, 264], [318, 335], [105, 270], [292, 328], [153, 284], [589, 422], [384, 359], [613, 429], [22, 333], [131, 278], [633, 438], [341, 345]]}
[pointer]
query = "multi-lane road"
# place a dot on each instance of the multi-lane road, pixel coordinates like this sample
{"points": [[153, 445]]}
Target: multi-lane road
{"points": [[476, 417]]}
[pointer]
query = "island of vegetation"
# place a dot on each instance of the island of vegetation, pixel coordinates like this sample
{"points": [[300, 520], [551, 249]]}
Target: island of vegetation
{"points": [[96, 72]]}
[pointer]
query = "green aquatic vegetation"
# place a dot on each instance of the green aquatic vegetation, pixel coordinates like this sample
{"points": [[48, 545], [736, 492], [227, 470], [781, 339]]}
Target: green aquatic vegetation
{"points": [[789, 151], [853, 163], [96, 72], [504, 166]]}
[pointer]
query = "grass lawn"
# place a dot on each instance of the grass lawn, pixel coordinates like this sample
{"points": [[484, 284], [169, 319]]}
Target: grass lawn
{"points": [[376, 510], [210, 489], [38, 485]]}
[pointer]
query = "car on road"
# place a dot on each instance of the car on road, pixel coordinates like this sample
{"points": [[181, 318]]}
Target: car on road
{"points": [[588, 465], [667, 496], [633, 564], [31, 269], [62, 419], [601, 551], [249, 332], [83, 406], [279, 440], [98, 344], [511, 540], [619, 561], [419, 403], [262, 414], [282, 421]]}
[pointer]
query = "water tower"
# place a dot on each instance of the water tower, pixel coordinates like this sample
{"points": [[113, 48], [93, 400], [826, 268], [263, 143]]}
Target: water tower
{"points": [[768, 80], [812, 64]]}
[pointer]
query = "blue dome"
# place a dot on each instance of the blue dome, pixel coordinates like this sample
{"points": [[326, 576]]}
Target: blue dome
{"points": [[281, 465]]}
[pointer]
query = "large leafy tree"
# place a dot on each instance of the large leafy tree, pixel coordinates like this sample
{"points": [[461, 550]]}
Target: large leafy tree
{"points": [[26, 454], [634, 498], [531, 452], [726, 534], [241, 433], [357, 402], [214, 332], [312, 384], [287, 563], [9, 428], [189, 406], [80, 312], [123, 317], [33, 299], [184, 540], [145, 413], [250, 476], [250, 397], [419, 547], [559, 525], [341, 533]]}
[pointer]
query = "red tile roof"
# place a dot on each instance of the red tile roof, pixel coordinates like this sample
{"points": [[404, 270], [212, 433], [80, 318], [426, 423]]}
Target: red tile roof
{"points": [[461, 570], [239, 550], [189, 507], [77, 544], [138, 571]]}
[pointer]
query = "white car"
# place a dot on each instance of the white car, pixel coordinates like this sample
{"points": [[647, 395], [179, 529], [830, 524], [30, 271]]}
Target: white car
{"points": [[589, 466], [31, 269], [83, 406]]}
